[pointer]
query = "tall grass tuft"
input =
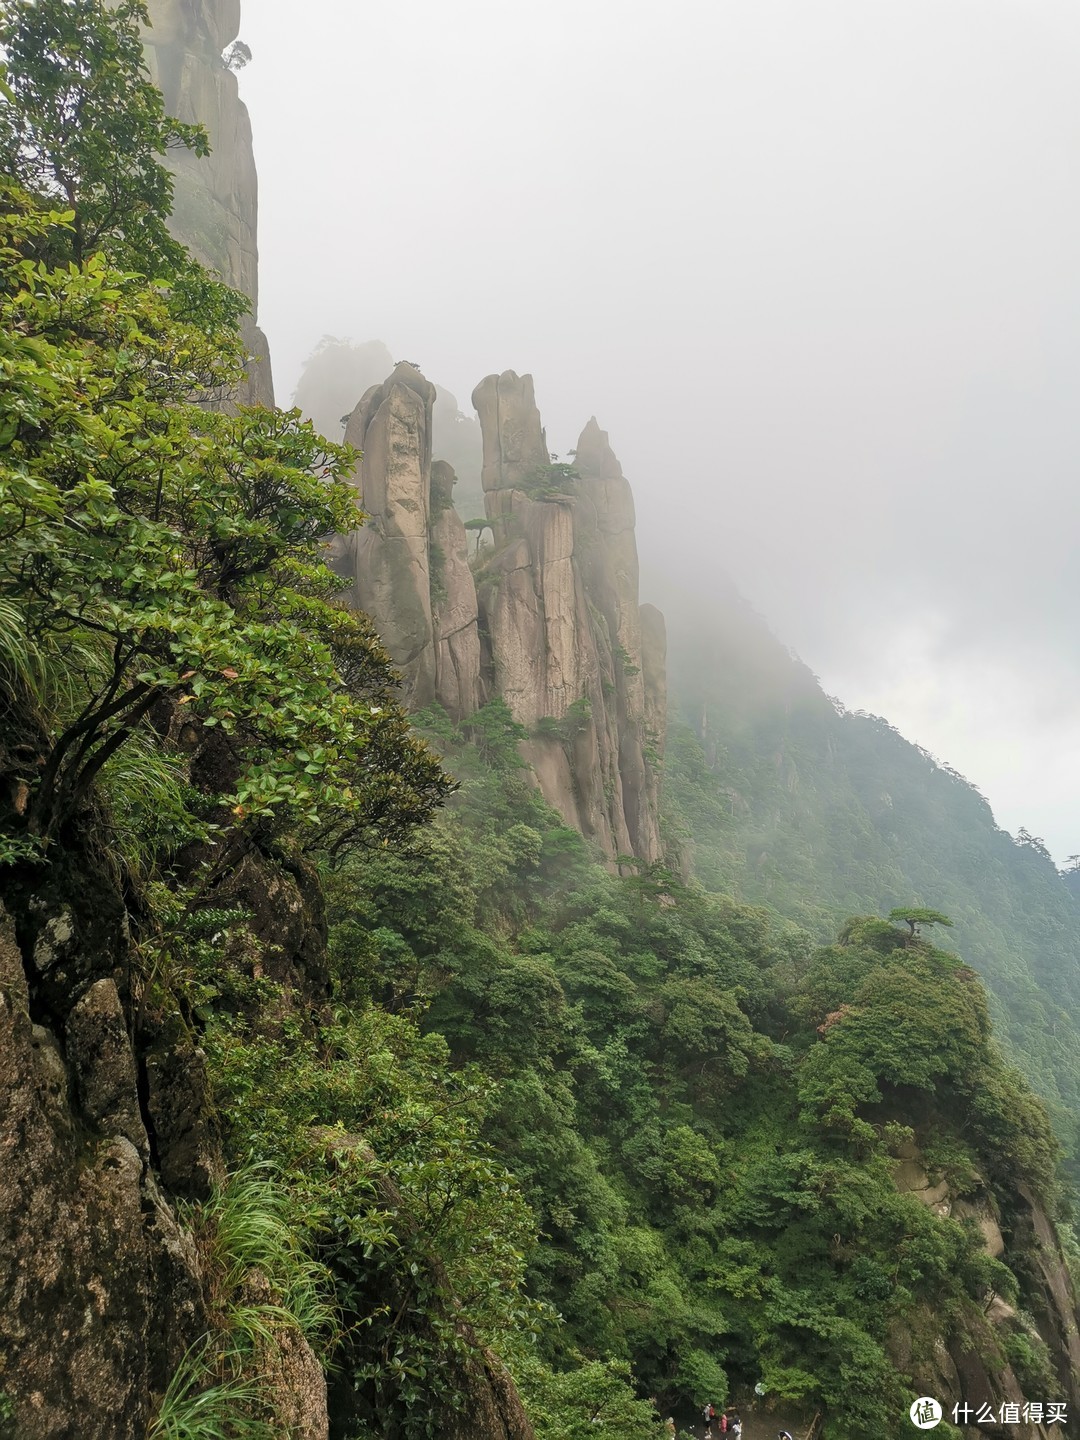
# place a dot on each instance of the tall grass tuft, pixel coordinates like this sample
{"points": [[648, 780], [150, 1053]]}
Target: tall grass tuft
{"points": [[21, 662], [147, 795], [198, 1405], [253, 1236], [54, 676], [263, 1283]]}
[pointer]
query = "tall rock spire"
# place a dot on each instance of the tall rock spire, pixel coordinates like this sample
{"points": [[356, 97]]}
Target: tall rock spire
{"points": [[409, 564], [558, 599], [215, 199], [546, 618], [388, 558]]}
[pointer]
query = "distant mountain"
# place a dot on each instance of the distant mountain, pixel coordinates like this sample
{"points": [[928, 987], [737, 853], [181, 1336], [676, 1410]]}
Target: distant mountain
{"points": [[784, 799]]}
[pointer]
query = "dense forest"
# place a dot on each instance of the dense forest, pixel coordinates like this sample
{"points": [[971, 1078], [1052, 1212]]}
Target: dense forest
{"points": [[788, 800], [344, 1090]]}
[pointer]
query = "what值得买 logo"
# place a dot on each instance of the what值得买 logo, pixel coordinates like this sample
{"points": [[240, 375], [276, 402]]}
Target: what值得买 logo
{"points": [[925, 1413]]}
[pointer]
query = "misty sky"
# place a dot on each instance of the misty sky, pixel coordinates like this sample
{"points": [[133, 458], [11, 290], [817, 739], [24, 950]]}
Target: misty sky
{"points": [[815, 266]]}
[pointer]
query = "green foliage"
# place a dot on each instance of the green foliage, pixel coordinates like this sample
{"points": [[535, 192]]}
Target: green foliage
{"points": [[262, 1284], [557, 481], [149, 803], [495, 733], [250, 1230], [626, 663], [566, 728], [198, 1406], [574, 1404], [702, 1112], [420, 1228], [1026, 1352], [914, 917], [157, 552], [819, 814]]}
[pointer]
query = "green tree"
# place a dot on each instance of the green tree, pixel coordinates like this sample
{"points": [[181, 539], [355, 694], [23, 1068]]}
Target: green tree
{"points": [[916, 916], [84, 129], [157, 551]]}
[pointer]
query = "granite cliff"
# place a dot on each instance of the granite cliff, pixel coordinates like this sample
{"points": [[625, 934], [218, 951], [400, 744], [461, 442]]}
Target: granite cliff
{"points": [[974, 1359], [216, 199], [546, 616]]}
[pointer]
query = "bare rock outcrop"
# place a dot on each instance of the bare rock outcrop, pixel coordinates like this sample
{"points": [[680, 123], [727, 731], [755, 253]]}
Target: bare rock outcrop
{"points": [[215, 199], [966, 1360], [388, 559], [546, 617], [559, 611], [101, 1291], [459, 686], [106, 1119], [515, 445]]}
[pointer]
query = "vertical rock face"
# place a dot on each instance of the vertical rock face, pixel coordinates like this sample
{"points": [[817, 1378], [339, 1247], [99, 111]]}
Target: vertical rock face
{"points": [[459, 686], [965, 1358], [101, 1291], [215, 210], [654, 674], [551, 622], [559, 607], [515, 445], [387, 560]]}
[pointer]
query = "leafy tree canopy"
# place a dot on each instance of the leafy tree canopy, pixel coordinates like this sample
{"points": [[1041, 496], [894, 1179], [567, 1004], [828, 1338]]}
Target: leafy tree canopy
{"points": [[916, 916], [158, 550], [82, 130]]}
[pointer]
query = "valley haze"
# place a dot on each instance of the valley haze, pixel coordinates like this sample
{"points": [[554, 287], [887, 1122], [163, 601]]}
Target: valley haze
{"points": [[811, 266]]}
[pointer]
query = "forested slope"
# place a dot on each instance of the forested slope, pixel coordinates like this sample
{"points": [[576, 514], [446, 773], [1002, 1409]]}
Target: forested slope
{"points": [[785, 799], [343, 1091], [752, 1160]]}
